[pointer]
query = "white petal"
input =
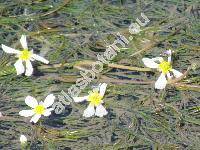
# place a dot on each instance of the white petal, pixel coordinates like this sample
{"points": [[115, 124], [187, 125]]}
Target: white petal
{"points": [[161, 82], [169, 58], [29, 68], [101, 111], [149, 63], [39, 58], [89, 111], [48, 112], [169, 52], [102, 89], [80, 99], [176, 73], [23, 139], [23, 42], [31, 101], [26, 113], [19, 67], [35, 118], [49, 100], [9, 49]]}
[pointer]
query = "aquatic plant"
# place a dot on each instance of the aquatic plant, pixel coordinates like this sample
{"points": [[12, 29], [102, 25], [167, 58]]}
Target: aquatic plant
{"points": [[95, 99], [165, 67], [71, 33], [38, 109], [24, 56]]}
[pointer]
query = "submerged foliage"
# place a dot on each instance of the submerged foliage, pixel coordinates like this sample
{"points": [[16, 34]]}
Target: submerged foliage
{"points": [[70, 33]]}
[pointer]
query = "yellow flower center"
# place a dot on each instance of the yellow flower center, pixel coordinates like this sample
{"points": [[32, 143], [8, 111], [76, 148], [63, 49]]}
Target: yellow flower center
{"points": [[165, 67], [39, 109], [95, 98], [25, 55]]}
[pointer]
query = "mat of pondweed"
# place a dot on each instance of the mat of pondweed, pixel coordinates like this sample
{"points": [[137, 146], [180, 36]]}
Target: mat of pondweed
{"points": [[71, 32]]}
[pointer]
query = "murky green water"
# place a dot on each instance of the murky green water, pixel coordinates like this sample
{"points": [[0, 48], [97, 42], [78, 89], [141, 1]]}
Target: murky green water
{"points": [[69, 33]]}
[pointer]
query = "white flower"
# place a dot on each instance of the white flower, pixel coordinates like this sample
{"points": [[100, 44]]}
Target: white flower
{"points": [[1, 115], [95, 98], [23, 139], [164, 67], [24, 56], [38, 109]]}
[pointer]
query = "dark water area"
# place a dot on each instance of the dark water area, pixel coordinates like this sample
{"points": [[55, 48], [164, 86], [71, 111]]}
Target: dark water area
{"points": [[71, 34]]}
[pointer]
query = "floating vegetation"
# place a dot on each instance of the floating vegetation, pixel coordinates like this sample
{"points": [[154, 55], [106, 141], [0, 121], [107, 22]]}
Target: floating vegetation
{"points": [[73, 35]]}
